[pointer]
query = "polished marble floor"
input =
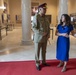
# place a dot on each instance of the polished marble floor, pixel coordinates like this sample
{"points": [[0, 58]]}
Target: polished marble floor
{"points": [[12, 50]]}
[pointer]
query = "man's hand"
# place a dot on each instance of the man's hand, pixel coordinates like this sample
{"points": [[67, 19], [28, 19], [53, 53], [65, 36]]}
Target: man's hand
{"points": [[48, 37], [44, 34]]}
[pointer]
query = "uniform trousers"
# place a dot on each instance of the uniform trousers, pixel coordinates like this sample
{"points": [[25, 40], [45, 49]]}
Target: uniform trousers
{"points": [[40, 47]]}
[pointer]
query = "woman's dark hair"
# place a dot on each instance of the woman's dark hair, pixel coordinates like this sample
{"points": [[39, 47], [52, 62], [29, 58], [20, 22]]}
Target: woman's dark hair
{"points": [[67, 19]]}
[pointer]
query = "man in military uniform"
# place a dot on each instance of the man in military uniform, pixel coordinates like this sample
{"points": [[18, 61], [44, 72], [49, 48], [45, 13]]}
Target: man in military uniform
{"points": [[41, 28]]}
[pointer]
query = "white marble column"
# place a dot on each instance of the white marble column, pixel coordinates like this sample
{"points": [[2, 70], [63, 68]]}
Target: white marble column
{"points": [[26, 22], [63, 8]]}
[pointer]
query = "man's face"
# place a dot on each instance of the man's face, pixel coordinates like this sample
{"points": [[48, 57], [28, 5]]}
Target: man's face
{"points": [[43, 10]]}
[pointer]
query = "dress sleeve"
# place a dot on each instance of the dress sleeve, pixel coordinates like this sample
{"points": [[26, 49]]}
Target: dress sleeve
{"points": [[71, 28], [57, 27]]}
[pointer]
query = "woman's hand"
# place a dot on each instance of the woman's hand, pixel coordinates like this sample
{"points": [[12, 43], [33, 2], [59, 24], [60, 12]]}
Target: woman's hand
{"points": [[74, 35], [63, 34]]}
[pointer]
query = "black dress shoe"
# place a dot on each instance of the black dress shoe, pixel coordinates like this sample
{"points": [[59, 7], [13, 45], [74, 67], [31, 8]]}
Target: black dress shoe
{"points": [[45, 64], [38, 68]]}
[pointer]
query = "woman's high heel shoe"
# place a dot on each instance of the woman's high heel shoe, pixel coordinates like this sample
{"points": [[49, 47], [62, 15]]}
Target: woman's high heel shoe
{"points": [[60, 65], [64, 69]]}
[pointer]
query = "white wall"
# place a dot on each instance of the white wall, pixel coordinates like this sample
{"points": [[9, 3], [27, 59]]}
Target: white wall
{"points": [[72, 6], [15, 9]]}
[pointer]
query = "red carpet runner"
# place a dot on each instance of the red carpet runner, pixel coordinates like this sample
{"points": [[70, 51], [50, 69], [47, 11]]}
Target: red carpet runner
{"points": [[28, 68]]}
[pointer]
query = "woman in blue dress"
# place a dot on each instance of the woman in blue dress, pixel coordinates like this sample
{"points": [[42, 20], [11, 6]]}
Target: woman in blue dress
{"points": [[63, 42]]}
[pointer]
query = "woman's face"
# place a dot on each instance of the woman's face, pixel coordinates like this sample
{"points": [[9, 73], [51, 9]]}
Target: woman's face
{"points": [[63, 18]]}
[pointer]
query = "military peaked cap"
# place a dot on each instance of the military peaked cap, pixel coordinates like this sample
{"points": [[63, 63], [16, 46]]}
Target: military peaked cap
{"points": [[42, 5]]}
